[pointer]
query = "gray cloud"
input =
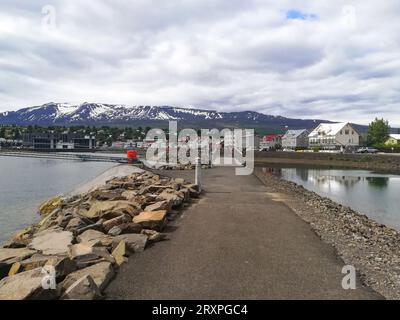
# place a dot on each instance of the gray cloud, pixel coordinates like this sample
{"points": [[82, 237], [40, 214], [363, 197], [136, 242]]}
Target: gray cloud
{"points": [[227, 55]]}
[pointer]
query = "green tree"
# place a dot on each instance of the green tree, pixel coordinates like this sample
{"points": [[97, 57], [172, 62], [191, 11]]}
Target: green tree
{"points": [[378, 131]]}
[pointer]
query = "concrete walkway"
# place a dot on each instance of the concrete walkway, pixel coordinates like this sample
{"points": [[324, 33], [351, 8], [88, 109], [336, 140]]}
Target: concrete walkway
{"points": [[235, 243]]}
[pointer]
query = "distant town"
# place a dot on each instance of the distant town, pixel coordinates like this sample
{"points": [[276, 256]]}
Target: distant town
{"points": [[326, 137]]}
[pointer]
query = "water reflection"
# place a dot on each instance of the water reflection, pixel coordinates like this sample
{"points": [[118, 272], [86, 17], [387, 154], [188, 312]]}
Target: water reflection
{"points": [[378, 182], [370, 193]]}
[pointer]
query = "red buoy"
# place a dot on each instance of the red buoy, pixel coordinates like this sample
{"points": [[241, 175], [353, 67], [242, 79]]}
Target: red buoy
{"points": [[131, 154]]}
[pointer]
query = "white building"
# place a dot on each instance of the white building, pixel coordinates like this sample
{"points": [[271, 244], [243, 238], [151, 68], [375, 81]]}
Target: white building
{"points": [[295, 139], [65, 145], [334, 135]]}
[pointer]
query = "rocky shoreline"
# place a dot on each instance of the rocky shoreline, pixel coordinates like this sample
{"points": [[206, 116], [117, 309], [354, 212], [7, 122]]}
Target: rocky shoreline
{"points": [[372, 248], [81, 240]]}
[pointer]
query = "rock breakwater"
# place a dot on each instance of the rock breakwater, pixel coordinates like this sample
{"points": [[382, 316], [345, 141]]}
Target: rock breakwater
{"points": [[78, 246]]}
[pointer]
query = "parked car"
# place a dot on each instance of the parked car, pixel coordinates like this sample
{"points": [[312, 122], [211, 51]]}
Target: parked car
{"points": [[367, 150]]}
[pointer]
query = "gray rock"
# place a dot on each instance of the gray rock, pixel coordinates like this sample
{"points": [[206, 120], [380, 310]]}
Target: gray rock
{"points": [[134, 242], [11, 255], [52, 242], [83, 289], [74, 223], [160, 205], [130, 228], [175, 198], [94, 236], [26, 285], [102, 273], [115, 231], [109, 224], [84, 254], [62, 265], [153, 236], [98, 226]]}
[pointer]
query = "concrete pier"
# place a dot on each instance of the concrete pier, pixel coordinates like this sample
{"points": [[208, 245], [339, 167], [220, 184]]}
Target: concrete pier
{"points": [[236, 242]]}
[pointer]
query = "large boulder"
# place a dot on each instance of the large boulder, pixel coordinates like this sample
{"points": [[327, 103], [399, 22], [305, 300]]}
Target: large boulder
{"points": [[10, 255], [154, 220], [63, 265], [74, 224], [160, 205], [120, 253], [134, 242], [192, 188], [109, 224], [154, 189], [83, 289], [52, 242], [50, 205], [26, 285], [175, 198], [111, 208], [102, 273], [84, 254], [129, 194], [153, 236], [130, 228], [93, 237], [48, 221], [115, 231], [15, 268]]}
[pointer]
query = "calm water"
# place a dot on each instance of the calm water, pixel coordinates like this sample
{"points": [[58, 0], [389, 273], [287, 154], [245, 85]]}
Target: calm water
{"points": [[25, 183], [374, 194]]}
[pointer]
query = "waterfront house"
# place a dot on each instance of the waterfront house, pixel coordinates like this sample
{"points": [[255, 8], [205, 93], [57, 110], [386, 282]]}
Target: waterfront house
{"points": [[393, 140], [295, 139], [271, 141], [334, 136], [59, 141]]}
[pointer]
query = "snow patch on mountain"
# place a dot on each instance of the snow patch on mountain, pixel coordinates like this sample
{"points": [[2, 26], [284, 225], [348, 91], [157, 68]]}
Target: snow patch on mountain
{"points": [[64, 109]]}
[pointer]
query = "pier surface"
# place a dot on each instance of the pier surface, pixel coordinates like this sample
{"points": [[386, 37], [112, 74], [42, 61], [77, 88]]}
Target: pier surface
{"points": [[236, 242]]}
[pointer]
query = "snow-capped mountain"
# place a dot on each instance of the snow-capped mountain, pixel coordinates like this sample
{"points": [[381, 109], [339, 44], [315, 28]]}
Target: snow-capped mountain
{"points": [[106, 114]]}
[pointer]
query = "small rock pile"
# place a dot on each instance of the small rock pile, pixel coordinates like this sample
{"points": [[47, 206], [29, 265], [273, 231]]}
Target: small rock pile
{"points": [[75, 250]]}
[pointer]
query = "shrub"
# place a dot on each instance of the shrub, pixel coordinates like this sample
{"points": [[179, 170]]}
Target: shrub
{"points": [[366, 158]]}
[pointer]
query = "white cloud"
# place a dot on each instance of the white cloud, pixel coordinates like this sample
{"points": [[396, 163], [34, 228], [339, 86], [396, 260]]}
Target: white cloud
{"points": [[340, 62]]}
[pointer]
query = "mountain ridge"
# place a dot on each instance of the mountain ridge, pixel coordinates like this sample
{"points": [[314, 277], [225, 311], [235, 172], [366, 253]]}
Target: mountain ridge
{"points": [[86, 113]]}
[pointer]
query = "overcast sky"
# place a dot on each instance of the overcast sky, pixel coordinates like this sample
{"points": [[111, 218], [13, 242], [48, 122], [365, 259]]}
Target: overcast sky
{"points": [[331, 59]]}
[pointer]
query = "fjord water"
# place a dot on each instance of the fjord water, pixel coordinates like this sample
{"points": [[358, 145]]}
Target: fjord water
{"points": [[376, 195], [25, 183]]}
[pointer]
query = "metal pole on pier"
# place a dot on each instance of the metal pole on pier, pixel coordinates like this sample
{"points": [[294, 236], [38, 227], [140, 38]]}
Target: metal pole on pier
{"points": [[197, 179]]}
